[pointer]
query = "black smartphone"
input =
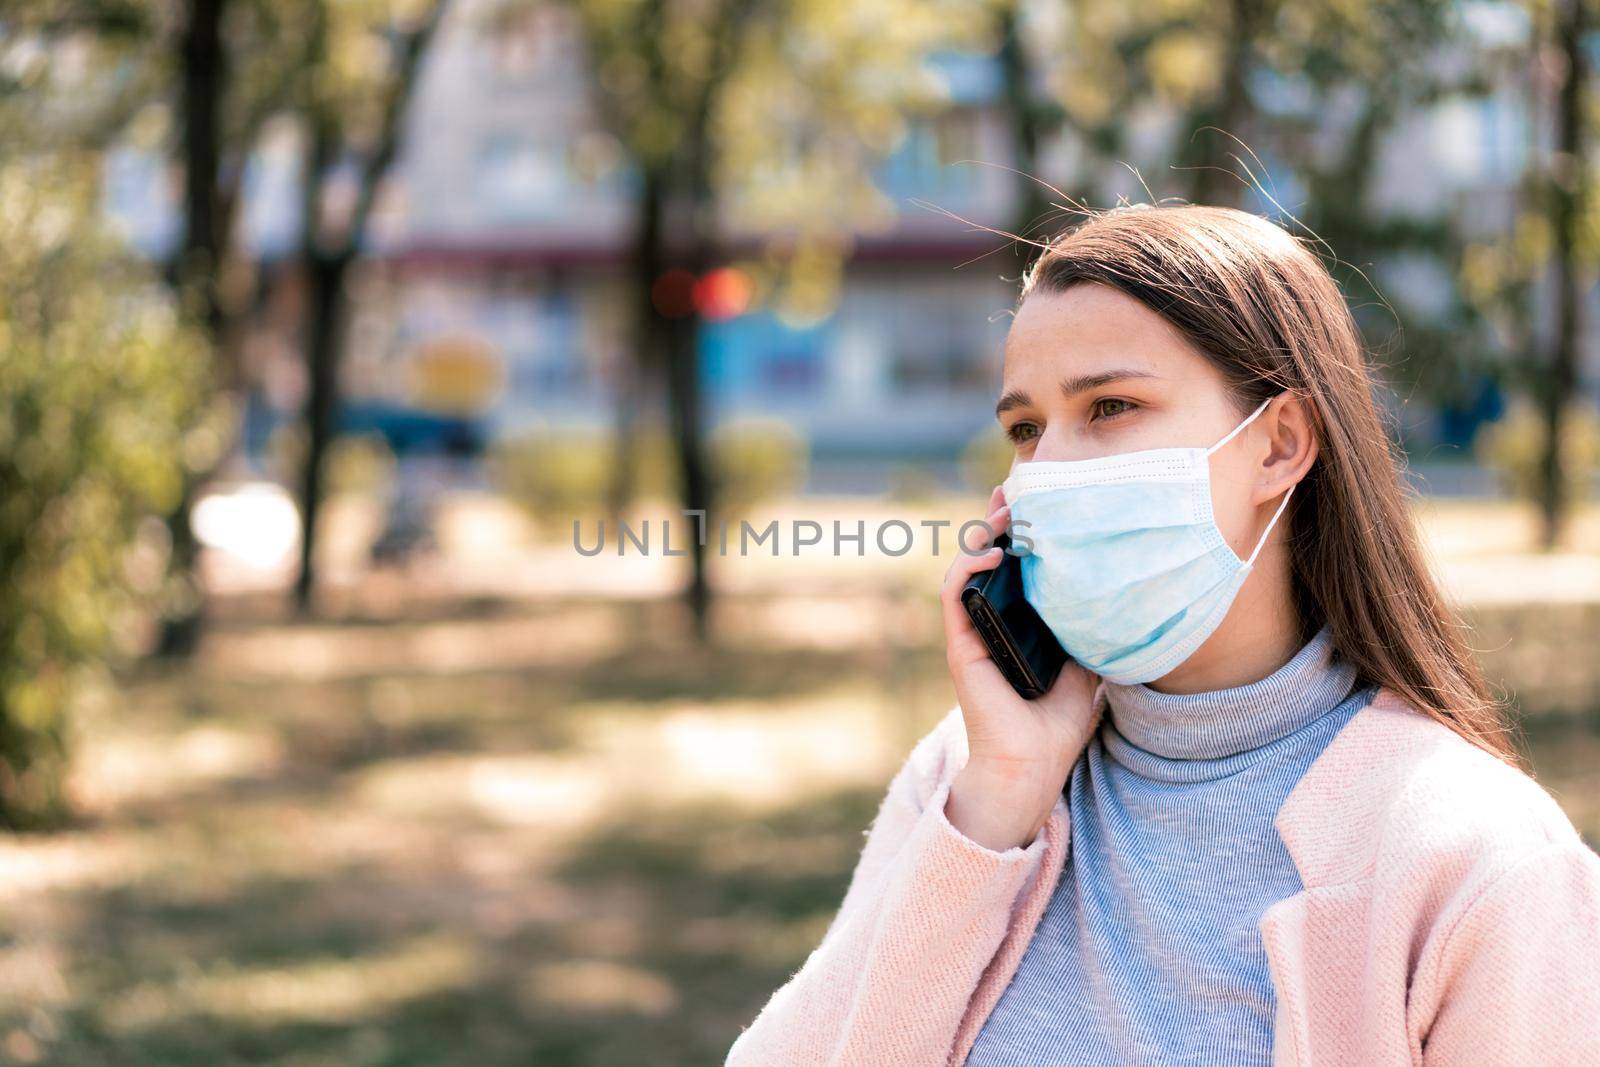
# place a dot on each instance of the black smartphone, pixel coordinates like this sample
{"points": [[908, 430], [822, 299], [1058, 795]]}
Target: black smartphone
{"points": [[1019, 642]]}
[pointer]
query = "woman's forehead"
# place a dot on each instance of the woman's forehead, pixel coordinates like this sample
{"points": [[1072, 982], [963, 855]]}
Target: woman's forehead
{"points": [[1090, 329]]}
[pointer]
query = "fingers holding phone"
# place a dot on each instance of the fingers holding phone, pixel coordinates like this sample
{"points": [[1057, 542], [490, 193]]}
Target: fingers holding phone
{"points": [[964, 649], [1009, 735]]}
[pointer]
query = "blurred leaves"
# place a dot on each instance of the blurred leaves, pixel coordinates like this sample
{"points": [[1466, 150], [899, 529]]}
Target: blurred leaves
{"points": [[1515, 448], [800, 99], [826, 89], [757, 459], [559, 475], [99, 386], [987, 460]]}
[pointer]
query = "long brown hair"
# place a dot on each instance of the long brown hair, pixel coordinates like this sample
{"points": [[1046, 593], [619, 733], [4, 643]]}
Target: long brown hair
{"points": [[1263, 307]]}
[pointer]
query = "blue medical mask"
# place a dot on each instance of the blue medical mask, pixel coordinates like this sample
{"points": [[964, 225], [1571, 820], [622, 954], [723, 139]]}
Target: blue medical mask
{"points": [[1127, 566]]}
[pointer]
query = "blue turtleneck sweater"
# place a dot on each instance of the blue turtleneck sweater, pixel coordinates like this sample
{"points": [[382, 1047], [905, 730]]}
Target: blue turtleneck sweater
{"points": [[1149, 952]]}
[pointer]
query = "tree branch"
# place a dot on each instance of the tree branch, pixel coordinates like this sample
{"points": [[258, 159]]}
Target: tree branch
{"points": [[388, 144]]}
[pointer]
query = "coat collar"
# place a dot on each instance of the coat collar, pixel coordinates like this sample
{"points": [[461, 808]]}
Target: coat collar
{"points": [[1330, 819]]}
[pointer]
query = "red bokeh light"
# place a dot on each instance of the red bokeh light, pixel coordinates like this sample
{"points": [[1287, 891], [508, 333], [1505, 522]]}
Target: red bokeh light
{"points": [[723, 293]]}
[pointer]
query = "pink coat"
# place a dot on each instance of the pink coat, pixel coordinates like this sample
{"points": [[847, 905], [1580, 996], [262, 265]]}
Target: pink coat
{"points": [[1450, 915]]}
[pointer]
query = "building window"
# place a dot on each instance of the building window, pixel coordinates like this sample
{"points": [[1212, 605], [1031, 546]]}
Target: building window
{"points": [[521, 178], [938, 343], [929, 162]]}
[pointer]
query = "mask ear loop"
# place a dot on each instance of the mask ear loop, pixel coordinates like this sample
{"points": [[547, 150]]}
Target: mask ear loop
{"points": [[1287, 493], [1234, 432], [1276, 515]]}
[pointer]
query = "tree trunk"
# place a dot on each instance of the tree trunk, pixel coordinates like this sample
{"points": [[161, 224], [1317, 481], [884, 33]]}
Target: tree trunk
{"points": [[694, 476], [325, 269], [671, 343], [1217, 179], [324, 279], [1568, 178], [193, 276], [1023, 119], [639, 366]]}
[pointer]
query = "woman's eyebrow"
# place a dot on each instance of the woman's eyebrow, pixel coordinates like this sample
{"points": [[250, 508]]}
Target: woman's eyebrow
{"points": [[1016, 398], [1013, 398], [1084, 382]]}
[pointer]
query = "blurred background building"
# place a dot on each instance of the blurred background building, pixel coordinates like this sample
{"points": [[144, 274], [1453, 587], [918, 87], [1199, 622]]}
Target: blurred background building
{"points": [[506, 224]]}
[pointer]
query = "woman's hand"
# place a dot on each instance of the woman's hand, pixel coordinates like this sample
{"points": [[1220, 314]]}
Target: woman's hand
{"points": [[1021, 751]]}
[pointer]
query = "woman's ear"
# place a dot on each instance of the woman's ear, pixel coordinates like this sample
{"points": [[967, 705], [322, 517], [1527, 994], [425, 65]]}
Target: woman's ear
{"points": [[1291, 446]]}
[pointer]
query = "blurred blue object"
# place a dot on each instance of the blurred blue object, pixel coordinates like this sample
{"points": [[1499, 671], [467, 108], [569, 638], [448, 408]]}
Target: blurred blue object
{"points": [[1459, 422], [409, 431]]}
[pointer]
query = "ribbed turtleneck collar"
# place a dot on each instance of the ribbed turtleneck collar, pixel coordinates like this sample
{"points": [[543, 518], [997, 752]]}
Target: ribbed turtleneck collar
{"points": [[1228, 722]]}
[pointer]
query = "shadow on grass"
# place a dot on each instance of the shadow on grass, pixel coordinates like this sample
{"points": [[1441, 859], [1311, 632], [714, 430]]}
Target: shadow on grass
{"points": [[457, 940], [729, 904], [330, 727], [688, 919]]}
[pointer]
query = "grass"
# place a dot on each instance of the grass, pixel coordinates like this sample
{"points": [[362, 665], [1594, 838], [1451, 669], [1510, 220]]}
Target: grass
{"points": [[539, 857], [480, 834]]}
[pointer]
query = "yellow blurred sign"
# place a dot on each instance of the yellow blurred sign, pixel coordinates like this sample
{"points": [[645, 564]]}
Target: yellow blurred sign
{"points": [[456, 375]]}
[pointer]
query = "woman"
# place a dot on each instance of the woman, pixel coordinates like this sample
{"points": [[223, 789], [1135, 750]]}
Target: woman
{"points": [[1271, 814]]}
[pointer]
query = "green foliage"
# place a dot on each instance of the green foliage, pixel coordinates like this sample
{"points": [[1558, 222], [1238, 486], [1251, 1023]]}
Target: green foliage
{"points": [[756, 459], [986, 461], [360, 464], [784, 110], [1514, 448], [559, 475], [99, 391]]}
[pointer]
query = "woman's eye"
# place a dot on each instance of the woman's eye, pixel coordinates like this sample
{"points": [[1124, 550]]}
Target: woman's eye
{"points": [[1110, 407], [1022, 432]]}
